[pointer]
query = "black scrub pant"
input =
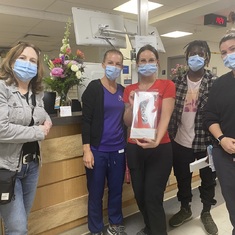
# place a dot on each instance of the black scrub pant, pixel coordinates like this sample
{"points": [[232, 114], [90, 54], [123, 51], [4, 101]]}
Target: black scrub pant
{"points": [[150, 170]]}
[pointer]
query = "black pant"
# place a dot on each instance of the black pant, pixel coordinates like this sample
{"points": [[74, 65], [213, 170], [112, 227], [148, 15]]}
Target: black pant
{"points": [[225, 168], [182, 157], [150, 170]]}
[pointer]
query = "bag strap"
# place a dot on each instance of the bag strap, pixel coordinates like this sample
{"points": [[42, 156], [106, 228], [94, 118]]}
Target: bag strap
{"points": [[33, 100]]}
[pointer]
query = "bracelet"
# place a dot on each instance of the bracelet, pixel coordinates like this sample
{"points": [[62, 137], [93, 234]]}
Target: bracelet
{"points": [[220, 138]]}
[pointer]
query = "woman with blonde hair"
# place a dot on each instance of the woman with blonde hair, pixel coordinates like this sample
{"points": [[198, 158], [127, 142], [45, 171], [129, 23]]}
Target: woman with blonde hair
{"points": [[219, 118]]}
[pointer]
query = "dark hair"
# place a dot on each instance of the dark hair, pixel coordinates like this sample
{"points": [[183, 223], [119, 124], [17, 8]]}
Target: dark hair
{"points": [[145, 48], [115, 51], [198, 43], [230, 34], [6, 72]]}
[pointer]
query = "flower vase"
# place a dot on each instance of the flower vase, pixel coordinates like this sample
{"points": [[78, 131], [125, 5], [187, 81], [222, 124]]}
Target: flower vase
{"points": [[64, 99], [65, 105]]}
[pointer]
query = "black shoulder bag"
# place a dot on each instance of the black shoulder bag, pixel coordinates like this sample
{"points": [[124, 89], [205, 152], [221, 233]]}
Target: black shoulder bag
{"points": [[7, 185]]}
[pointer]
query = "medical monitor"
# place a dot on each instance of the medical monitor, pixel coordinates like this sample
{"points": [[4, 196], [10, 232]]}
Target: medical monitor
{"points": [[96, 28], [131, 27]]}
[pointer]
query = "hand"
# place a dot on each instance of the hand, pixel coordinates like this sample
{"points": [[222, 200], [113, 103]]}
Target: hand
{"points": [[46, 127], [147, 143], [48, 124], [228, 144], [131, 98], [88, 159]]}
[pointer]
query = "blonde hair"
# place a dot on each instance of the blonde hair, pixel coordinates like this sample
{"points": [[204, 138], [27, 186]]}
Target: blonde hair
{"points": [[230, 34]]}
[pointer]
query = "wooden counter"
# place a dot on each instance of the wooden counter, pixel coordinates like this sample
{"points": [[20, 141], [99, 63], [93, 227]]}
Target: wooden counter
{"points": [[61, 198]]}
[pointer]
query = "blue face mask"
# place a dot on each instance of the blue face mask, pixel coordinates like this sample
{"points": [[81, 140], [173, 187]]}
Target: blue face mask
{"points": [[196, 62], [229, 61], [112, 72], [25, 70], [147, 69]]}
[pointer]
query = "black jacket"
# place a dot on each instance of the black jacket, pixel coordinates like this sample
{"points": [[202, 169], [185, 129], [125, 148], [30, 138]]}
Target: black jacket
{"points": [[93, 113]]}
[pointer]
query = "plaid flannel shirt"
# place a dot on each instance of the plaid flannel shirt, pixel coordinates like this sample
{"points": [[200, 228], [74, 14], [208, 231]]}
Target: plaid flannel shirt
{"points": [[202, 137]]}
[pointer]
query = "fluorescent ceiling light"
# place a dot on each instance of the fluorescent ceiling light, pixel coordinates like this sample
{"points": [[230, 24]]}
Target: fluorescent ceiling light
{"points": [[131, 7], [176, 34]]}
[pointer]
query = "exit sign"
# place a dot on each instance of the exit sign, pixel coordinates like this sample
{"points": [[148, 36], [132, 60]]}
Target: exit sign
{"points": [[216, 20]]}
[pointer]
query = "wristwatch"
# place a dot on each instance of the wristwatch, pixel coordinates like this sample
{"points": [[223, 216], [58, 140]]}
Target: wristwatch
{"points": [[220, 138]]}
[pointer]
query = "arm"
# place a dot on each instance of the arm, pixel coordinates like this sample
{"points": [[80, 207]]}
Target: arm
{"points": [[128, 114], [228, 144], [211, 119], [41, 116], [167, 109], [87, 115], [14, 120], [88, 158]]}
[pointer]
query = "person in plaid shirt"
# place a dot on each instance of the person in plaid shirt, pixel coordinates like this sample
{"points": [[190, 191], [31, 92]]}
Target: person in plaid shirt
{"points": [[189, 138]]}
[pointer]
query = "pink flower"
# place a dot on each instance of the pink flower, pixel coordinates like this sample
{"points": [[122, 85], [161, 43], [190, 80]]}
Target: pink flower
{"points": [[179, 70], [68, 51], [57, 72]]}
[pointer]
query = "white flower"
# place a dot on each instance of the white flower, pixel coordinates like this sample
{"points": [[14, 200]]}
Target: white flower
{"points": [[78, 74], [63, 48], [74, 68]]}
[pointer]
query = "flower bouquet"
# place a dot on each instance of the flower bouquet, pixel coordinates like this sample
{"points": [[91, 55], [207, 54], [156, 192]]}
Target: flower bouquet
{"points": [[66, 70], [179, 70]]}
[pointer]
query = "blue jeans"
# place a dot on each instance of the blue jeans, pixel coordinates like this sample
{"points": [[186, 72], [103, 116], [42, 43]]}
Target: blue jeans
{"points": [[15, 214], [110, 166]]}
